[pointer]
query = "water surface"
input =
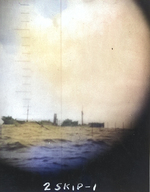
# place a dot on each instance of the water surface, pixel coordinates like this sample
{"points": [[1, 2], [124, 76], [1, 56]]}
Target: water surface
{"points": [[48, 148]]}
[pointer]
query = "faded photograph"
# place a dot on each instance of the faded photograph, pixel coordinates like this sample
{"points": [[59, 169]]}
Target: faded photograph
{"points": [[74, 80]]}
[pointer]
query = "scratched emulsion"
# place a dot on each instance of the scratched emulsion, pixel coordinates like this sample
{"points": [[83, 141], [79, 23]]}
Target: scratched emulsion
{"points": [[52, 149]]}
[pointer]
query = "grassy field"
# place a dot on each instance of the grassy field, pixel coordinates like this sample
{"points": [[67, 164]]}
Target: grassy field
{"points": [[34, 133]]}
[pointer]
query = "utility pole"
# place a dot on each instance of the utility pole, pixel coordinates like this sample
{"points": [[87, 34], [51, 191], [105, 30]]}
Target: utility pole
{"points": [[27, 112], [82, 116], [55, 119]]}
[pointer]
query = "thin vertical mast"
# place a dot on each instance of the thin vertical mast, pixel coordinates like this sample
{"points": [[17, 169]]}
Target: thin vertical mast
{"points": [[82, 116], [27, 112]]}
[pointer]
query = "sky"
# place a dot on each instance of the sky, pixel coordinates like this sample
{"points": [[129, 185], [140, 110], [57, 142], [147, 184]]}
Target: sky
{"points": [[68, 56]]}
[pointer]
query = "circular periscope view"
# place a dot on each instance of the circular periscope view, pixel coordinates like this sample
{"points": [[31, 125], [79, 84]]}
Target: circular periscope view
{"points": [[74, 78]]}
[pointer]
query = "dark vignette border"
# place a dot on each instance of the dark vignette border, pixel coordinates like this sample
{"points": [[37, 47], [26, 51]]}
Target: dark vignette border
{"points": [[124, 169]]}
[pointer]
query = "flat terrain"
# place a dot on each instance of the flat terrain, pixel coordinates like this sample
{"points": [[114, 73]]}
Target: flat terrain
{"points": [[49, 148]]}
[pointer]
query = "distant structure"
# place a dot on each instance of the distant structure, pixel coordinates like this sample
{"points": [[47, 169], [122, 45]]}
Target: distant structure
{"points": [[55, 119], [8, 120], [95, 124], [82, 117], [69, 122], [74, 123], [27, 113]]}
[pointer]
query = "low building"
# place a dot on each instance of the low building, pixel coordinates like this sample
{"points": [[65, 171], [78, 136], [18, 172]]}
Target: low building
{"points": [[95, 124], [69, 122], [74, 123]]}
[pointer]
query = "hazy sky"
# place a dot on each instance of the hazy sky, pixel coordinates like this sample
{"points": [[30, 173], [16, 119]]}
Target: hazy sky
{"points": [[93, 54]]}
